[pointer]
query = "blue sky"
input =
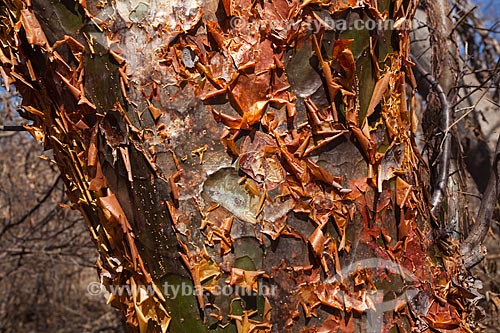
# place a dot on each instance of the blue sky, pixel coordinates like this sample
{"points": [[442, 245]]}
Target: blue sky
{"points": [[490, 8]]}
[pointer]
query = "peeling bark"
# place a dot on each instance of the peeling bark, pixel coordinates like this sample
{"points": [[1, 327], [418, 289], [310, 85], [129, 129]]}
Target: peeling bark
{"points": [[200, 163]]}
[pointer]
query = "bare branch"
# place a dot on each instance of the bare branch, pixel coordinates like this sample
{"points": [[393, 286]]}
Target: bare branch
{"points": [[471, 249], [12, 128], [33, 209]]}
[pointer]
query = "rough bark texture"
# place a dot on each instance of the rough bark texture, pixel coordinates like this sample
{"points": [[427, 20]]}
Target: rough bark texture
{"points": [[216, 144]]}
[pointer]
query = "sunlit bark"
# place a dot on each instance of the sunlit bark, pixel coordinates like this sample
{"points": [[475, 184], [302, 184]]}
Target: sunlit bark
{"points": [[241, 144]]}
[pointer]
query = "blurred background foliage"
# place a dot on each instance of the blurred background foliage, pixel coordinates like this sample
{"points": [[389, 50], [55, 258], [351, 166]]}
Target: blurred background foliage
{"points": [[47, 258]]}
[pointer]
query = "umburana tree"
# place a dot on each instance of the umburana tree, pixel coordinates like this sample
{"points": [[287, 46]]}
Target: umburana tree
{"points": [[249, 166]]}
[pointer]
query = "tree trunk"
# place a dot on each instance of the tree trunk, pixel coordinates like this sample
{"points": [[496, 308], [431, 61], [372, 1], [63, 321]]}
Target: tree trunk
{"points": [[251, 162]]}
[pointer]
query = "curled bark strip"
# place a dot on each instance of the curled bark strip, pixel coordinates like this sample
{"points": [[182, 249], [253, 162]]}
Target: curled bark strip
{"points": [[442, 180], [469, 248]]}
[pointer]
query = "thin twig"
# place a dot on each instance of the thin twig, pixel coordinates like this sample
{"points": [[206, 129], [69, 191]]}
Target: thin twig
{"points": [[493, 257], [12, 128], [461, 19], [442, 180], [33, 209], [469, 248]]}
